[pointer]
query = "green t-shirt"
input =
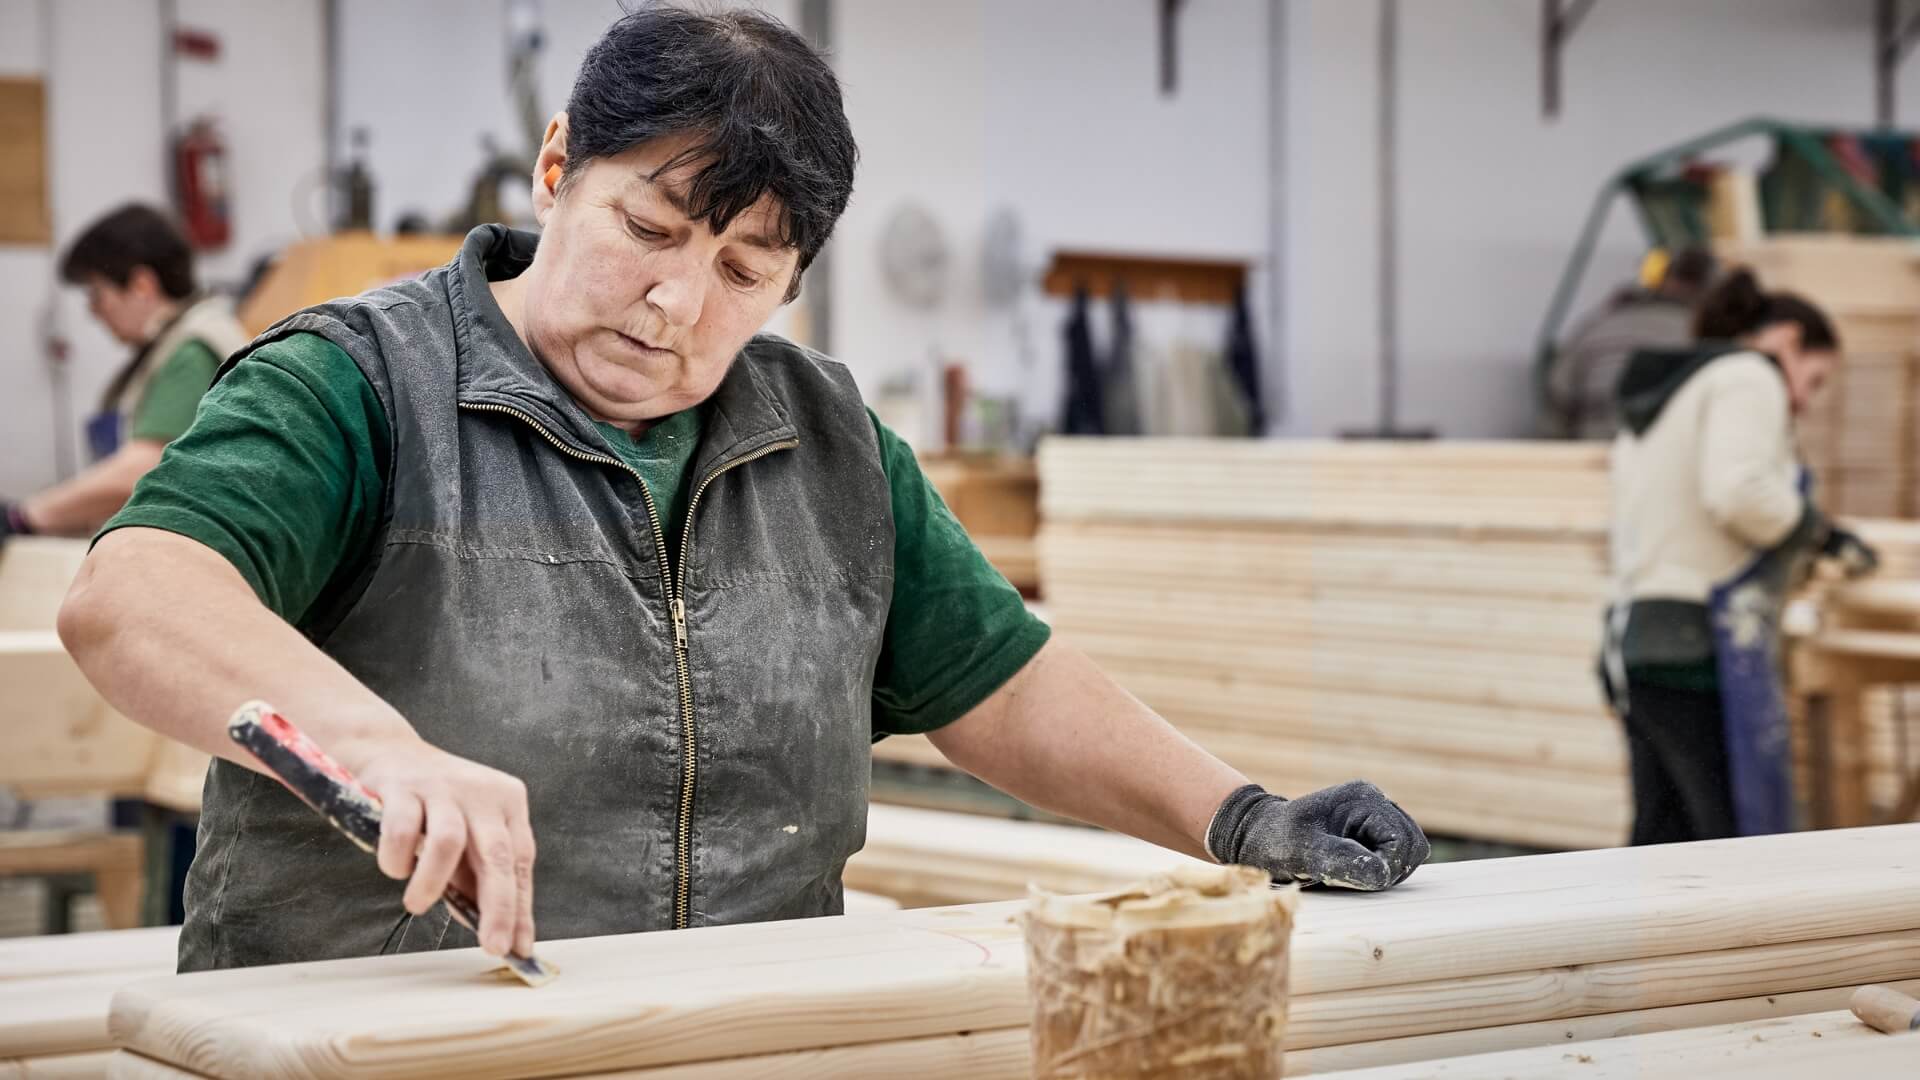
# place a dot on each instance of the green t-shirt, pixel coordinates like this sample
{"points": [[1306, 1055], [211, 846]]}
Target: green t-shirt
{"points": [[284, 474], [166, 408]]}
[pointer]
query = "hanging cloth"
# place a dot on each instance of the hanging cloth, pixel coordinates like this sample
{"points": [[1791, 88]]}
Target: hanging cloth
{"points": [[1082, 413], [1243, 362]]}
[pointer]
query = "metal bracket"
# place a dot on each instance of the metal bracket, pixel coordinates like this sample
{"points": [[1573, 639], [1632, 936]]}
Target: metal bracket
{"points": [[1558, 21], [1894, 35]]}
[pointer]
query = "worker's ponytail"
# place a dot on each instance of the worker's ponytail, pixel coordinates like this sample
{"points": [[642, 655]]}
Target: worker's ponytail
{"points": [[1737, 307]]}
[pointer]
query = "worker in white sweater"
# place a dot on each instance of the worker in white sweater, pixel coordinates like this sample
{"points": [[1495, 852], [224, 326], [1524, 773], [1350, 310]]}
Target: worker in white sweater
{"points": [[1714, 520]]}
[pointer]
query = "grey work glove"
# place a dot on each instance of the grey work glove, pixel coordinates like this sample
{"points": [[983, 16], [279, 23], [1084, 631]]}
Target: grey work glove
{"points": [[1351, 836], [1856, 557]]}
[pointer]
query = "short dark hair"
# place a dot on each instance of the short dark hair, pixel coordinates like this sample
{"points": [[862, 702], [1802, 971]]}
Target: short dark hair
{"points": [[763, 107], [1738, 306], [132, 236]]}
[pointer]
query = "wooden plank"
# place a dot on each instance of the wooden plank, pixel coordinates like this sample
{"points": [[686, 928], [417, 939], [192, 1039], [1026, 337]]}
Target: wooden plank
{"points": [[62, 737], [931, 857], [88, 1066], [35, 572], [1488, 1040], [55, 991], [1799, 1047], [1484, 943], [115, 860], [1558, 993], [26, 215]]}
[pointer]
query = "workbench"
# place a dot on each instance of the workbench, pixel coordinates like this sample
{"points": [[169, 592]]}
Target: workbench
{"points": [[1465, 958], [1869, 637]]}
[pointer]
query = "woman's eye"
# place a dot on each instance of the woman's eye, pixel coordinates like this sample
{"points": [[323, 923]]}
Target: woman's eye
{"points": [[641, 232]]}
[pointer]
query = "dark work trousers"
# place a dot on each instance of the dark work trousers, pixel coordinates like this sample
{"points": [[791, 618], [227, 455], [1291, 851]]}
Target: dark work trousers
{"points": [[1678, 760]]}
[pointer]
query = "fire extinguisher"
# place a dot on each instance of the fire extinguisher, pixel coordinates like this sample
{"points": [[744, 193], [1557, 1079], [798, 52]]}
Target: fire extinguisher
{"points": [[200, 185]]}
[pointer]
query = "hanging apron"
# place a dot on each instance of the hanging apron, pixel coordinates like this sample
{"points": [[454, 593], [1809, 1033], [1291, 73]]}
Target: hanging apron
{"points": [[1744, 612]]}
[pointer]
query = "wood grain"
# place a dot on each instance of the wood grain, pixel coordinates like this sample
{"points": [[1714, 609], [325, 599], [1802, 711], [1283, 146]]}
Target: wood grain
{"points": [[55, 991], [26, 214], [1822, 1044], [1488, 1040], [1464, 945]]}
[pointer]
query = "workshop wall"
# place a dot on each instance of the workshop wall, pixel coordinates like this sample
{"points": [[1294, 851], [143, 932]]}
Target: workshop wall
{"points": [[1053, 111], [1492, 195]]}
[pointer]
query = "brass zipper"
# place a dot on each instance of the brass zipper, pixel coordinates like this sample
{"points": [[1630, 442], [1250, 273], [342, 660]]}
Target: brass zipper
{"points": [[683, 834], [677, 609]]}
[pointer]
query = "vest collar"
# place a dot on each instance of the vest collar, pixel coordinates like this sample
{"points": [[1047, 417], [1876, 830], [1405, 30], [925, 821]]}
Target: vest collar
{"points": [[496, 368]]}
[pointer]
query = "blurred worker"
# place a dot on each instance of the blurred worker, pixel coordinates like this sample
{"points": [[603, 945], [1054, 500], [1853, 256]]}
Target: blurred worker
{"points": [[1713, 522], [1657, 313], [138, 273]]}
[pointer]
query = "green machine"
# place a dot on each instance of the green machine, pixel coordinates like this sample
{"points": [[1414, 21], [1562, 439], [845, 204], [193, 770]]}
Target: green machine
{"points": [[1820, 180]]}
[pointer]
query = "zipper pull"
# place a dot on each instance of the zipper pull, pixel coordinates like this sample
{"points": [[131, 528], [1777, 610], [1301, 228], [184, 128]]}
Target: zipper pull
{"points": [[679, 623]]}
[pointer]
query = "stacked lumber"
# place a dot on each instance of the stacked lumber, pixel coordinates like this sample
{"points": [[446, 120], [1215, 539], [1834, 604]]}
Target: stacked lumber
{"points": [[1890, 715], [1422, 615], [996, 499], [1493, 951], [34, 574], [55, 993], [62, 738], [1789, 1048], [1860, 435], [929, 858]]}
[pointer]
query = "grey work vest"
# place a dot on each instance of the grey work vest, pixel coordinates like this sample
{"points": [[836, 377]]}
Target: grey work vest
{"points": [[518, 613]]}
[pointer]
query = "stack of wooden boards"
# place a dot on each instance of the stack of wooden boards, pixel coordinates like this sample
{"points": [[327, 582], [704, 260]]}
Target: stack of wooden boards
{"points": [[1860, 435], [1465, 958], [55, 993], [927, 858], [1789, 1048], [997, 499], [1889, 715], [63, 739], [1423, 615]]}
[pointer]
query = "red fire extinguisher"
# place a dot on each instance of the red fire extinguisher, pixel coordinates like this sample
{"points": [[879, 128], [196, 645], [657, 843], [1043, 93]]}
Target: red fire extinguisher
{"points": [[200, 185]]}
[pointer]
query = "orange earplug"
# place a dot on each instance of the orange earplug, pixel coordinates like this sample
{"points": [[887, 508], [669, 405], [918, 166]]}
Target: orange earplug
{"points": [[553, 177]]}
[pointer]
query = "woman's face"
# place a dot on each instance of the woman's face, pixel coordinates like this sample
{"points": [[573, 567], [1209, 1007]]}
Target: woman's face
{"points": [[1807, 370], [637, 309]]}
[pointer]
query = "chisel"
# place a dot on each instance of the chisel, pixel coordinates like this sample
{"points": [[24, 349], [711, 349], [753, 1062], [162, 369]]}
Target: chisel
{"points": [[323, 784]]}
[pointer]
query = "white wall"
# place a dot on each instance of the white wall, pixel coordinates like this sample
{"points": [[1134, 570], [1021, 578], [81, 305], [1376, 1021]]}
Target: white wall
{"points": [[427, 79], [102, 63], [1492, 195], [1052, 110], [26, 434]]}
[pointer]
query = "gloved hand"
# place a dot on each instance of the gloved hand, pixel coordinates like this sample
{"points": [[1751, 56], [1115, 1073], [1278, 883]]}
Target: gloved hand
{"points": [[13, 521], [1351, 836], [1856, 557]]}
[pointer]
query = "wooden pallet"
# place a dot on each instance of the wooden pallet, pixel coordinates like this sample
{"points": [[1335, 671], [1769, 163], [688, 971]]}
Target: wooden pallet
{"points": [[1494, 945]]}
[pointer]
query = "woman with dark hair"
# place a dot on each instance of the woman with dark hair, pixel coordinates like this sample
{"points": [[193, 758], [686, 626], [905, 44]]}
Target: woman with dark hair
{"points": [[552, 544], [1713, 522], [138, 273]]}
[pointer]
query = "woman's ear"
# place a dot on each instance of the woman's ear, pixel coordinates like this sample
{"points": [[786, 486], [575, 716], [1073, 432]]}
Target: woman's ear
{"points": [[550, 168]]}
